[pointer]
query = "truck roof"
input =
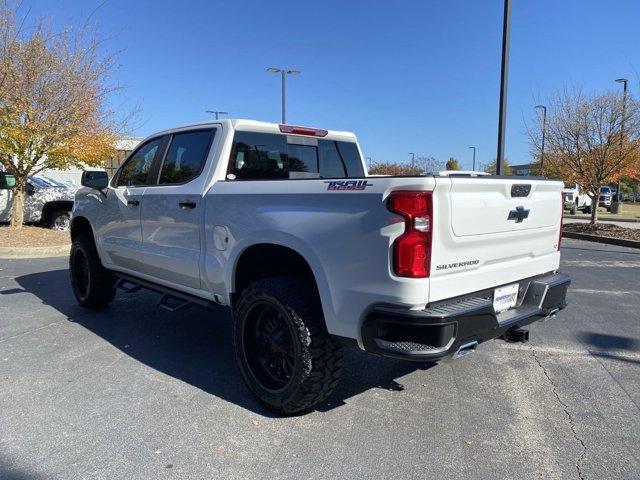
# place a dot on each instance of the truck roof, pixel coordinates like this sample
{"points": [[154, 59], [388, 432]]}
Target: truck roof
{"points": [[258, 126]]}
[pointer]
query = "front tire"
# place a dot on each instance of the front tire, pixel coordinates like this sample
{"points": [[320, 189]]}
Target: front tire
{"points": [[574, 209], [283, 351], [93, 285]]}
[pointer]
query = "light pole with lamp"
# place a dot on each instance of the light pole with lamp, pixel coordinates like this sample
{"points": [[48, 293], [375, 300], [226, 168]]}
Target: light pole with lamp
{"points": [[544, 131], [474, 157], [283, 73]]}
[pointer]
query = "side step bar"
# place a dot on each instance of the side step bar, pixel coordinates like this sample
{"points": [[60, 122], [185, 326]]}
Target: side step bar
{"points": [[171, 300]]}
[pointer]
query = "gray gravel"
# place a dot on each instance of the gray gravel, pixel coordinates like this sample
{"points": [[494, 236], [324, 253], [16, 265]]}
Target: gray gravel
{"points": [[137, 392]]}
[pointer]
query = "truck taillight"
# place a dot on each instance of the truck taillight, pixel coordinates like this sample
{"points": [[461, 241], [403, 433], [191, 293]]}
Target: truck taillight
{"points": [[412, 249], [561, 219]]}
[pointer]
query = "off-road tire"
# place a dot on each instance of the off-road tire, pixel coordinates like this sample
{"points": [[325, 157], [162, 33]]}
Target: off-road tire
{"points": [[96, 287], [318, 358]]}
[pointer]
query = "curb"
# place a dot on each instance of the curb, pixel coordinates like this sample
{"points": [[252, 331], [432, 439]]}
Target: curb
{"points": [[605, 219], [608, 240], [35, 252]]}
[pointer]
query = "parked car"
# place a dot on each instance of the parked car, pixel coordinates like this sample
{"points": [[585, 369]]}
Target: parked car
{"points": [[282, 224], [44, 203], [576, 198], [606, 198]]}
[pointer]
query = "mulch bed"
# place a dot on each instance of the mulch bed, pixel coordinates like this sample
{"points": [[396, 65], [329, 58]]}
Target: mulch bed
{"points": [[29, 236], [604, 230]]}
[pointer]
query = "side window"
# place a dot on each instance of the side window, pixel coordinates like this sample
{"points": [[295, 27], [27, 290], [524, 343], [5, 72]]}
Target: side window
{"points": [[134, 171], [186, 156], [258, 156]]}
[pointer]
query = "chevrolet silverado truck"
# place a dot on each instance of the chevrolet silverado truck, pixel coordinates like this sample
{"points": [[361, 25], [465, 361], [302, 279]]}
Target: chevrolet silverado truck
{"points": [[283, 225]]}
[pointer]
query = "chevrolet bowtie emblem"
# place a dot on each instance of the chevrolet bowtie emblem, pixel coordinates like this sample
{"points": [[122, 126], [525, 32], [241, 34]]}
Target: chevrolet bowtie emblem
{"points": [[519, 214]]}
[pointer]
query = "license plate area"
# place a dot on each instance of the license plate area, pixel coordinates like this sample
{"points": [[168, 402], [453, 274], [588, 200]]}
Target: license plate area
{"points": [[505, 298]]}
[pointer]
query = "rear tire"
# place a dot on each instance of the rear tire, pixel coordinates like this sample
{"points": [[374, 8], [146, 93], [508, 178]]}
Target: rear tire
{"points": [[283, 351], [93, 285]]}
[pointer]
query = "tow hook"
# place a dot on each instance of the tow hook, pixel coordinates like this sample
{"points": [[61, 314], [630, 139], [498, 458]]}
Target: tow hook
{"points": [[516, 334]]}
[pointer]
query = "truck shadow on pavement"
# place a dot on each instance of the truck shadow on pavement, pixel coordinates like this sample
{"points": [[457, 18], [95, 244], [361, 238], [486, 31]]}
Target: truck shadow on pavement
{"points": [[194, 345]]}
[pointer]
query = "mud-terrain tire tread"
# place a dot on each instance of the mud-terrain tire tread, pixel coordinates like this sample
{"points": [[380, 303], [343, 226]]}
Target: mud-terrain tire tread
{"points": [[322, 356]]}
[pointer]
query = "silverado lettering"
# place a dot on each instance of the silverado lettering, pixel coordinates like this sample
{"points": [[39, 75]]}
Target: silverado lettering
{"points": [[457, 265]]}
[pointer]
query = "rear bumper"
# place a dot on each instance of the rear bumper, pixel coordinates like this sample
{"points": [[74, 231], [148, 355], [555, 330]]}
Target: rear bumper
{"points": [[440, 329]]}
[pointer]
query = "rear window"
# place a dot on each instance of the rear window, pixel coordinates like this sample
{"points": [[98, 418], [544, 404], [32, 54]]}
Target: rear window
{"points": [[266, 156]]}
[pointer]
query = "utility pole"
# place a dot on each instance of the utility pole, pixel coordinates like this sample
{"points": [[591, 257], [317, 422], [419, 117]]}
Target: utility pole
{"points": [[504, 74], [624, 82], [368, 159], [474, 157], [544, 131], [283, 73], [217, 113], [413, 159]]}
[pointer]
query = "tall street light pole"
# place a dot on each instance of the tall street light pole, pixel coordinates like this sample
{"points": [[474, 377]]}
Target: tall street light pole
{"points": [[502, 121], [413, 159], [474, 157], [283, 73], [544, 131], [217, 113], [624, 82]]}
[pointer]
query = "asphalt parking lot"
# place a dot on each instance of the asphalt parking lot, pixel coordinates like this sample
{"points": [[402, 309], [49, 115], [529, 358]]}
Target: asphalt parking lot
{"points": [[138, 392]]}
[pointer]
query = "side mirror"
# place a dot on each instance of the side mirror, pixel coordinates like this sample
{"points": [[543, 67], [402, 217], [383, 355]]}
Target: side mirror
{"points": [[7, 181], [95, 179]]}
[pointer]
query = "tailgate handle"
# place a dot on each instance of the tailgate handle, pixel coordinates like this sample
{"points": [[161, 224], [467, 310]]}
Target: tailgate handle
{"points": [[520, 190]]}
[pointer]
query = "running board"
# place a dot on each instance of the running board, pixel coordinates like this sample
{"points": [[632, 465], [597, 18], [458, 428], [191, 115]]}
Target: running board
{"points": [[171, 300]]}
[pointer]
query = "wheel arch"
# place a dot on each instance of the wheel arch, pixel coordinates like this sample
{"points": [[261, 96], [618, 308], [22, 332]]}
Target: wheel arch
{"points": [[266, 259], [50, 208], [81, 226]]}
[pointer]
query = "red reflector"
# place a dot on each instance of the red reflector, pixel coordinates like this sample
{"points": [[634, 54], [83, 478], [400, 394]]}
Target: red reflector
{"points": [[412, 249], [314, 132]]}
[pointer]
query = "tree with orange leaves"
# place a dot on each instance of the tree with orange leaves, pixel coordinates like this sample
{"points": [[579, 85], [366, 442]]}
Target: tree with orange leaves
{"points": [[584, 141], [53, 114]]}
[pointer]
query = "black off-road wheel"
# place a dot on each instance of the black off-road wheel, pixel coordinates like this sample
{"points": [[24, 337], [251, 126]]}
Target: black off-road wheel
{"points": [[93, 285], [283, 351]]}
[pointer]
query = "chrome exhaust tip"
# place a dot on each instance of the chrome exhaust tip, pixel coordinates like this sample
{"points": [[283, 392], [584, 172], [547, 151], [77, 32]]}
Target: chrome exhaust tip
{"points": [[465, 349]]}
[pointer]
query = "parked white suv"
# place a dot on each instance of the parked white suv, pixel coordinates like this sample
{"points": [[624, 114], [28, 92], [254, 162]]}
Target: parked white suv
{"points": [[282, 224]]}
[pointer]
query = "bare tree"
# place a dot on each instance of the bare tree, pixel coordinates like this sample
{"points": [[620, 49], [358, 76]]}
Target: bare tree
{"points": [[53, 88], [583, 140], [428, 164]]}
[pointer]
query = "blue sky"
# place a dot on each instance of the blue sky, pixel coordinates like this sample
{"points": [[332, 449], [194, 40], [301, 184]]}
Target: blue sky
{"points": [[419, 76]]}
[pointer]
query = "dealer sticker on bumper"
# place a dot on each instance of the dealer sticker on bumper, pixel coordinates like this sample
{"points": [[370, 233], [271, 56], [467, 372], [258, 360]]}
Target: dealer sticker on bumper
{"points": [[505, 298]]}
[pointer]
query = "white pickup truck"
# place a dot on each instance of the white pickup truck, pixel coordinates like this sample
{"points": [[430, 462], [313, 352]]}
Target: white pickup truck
{"points": [[282, 224]]}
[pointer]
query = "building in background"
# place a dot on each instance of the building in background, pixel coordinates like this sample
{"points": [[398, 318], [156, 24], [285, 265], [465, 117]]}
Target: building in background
{"points": [[124, 146], [522, 170]]}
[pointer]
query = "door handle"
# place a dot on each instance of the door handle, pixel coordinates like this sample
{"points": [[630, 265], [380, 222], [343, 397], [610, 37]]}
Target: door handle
{"points": [[185, 205], [135, 203]]}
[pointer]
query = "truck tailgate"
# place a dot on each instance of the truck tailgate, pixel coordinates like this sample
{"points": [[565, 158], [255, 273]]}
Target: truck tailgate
{"points": [[489, 231]]}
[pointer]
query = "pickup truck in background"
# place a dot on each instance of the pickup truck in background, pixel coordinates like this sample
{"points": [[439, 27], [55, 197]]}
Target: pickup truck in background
{"points": [[576, 198], [45, 202], [606, 198], [283, 225]]}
